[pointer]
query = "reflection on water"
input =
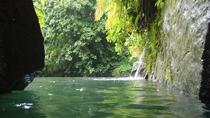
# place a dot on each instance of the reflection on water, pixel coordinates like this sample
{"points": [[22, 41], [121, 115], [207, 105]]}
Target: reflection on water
{"points": [[92, 98]]}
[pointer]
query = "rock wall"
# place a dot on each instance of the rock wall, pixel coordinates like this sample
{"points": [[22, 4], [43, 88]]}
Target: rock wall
{"points": [[185, 25], [21, 44]]}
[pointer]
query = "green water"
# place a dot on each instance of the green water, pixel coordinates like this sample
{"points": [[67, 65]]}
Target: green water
{"points": [[88, 98]]}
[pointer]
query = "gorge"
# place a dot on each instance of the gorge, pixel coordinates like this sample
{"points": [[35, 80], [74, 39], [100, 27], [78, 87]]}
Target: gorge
{"points": [[178, 55]]}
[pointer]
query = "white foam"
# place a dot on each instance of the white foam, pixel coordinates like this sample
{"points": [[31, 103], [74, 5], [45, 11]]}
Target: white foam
{"points": [[119, 79]]}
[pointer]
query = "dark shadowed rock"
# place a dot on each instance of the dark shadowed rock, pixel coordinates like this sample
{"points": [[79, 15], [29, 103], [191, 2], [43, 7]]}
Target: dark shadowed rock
{"points": [[21, 44], [205, 83]]}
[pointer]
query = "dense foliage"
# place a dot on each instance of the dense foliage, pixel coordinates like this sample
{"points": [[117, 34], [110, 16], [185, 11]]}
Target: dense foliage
{"points": [[133, 25], [39, 5], [75, 43]]}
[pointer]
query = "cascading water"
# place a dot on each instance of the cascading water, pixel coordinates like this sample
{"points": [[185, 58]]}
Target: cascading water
{"points": [[138, 70], [140, 66]]}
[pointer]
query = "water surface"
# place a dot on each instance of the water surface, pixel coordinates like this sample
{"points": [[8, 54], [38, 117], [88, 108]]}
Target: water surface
{"points": [[98, 98]]}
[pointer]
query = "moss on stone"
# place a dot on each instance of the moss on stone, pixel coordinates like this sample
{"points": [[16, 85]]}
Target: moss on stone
{"points": [[153, 45]]}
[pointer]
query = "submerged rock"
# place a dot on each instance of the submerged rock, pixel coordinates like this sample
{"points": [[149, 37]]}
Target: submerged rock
{"points": [[21, 44]]}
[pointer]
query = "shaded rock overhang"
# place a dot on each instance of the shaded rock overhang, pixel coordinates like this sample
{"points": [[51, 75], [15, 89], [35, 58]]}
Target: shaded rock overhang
{"points": [[21, 43]]}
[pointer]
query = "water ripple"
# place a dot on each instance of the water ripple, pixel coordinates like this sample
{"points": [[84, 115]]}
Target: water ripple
{"points": [[24, 105]]}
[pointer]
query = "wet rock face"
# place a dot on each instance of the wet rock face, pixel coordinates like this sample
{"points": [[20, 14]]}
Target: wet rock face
{"points": [[185, 24], [21, 44]]}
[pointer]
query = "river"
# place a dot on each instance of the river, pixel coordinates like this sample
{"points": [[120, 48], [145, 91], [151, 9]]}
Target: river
{"points": [[99, 98]]}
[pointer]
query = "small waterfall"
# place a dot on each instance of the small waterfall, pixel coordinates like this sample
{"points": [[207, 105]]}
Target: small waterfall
{"points": [[138, 68]]}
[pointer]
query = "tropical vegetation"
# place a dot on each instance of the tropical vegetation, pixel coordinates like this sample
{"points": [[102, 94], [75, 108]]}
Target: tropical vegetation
{"points": [[99, 37]]}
